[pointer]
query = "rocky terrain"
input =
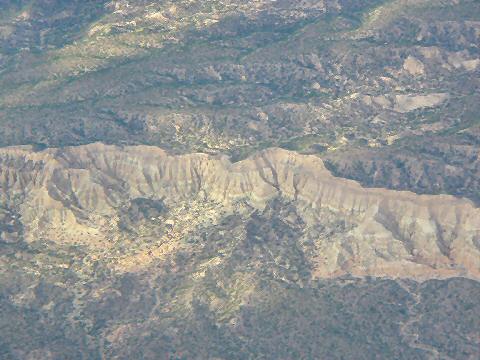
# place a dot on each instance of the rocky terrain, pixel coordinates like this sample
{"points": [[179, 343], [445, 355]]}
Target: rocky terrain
{"points": [[90, 195], [254, 179], [351, 80], [108, 244]]}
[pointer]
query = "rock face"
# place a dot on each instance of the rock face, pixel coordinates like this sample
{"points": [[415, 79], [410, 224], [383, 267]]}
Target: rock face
{"points": [[407, 103], [414, 66], [74, 196]]}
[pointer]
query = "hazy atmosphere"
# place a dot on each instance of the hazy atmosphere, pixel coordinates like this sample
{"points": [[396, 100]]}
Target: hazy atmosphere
{"points": [[258, 179]]}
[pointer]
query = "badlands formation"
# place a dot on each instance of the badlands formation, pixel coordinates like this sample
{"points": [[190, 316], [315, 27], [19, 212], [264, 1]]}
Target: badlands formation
{"points": [[76, 195]]}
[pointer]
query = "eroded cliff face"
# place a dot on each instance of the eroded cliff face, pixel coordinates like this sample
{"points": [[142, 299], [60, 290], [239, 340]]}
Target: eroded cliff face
{"points": [[81, 195]]}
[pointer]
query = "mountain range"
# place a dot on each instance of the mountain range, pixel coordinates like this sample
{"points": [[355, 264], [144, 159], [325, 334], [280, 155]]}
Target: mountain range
{"points": [[206, 179]]}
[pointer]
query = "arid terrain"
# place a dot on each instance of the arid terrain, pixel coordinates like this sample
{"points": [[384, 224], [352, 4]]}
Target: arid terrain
{"points": [[210, 179]]}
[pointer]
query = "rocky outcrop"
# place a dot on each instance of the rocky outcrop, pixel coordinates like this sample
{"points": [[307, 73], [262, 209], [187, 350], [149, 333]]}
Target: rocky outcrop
{"points": [[407, 103], [72, 195]]}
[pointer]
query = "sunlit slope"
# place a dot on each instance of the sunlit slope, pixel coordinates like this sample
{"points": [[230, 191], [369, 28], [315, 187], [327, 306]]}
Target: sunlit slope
{"points": [[364, 80]]}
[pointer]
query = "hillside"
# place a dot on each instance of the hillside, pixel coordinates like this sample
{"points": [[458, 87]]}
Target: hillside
{"points": [[254, 179], [364, 83], [93, 230]]}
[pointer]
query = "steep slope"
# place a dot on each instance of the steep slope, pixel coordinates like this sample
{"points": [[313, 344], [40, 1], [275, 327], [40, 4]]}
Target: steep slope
{"points": [[173, 179], [81, 195], [348, 79]]}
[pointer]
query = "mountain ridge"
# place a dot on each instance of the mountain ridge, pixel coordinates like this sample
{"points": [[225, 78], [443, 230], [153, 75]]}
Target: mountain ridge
{"points": [[70, 192], [253, 179]]}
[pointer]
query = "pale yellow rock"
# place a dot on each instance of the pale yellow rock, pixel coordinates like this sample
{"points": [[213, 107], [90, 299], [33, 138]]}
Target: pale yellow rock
{"points": [[461, 60], [413, 66], [72, 195], [410, 102]]}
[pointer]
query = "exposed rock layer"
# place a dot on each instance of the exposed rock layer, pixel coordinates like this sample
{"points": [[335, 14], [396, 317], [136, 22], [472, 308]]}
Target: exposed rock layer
{"points": [[72, 195]]}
